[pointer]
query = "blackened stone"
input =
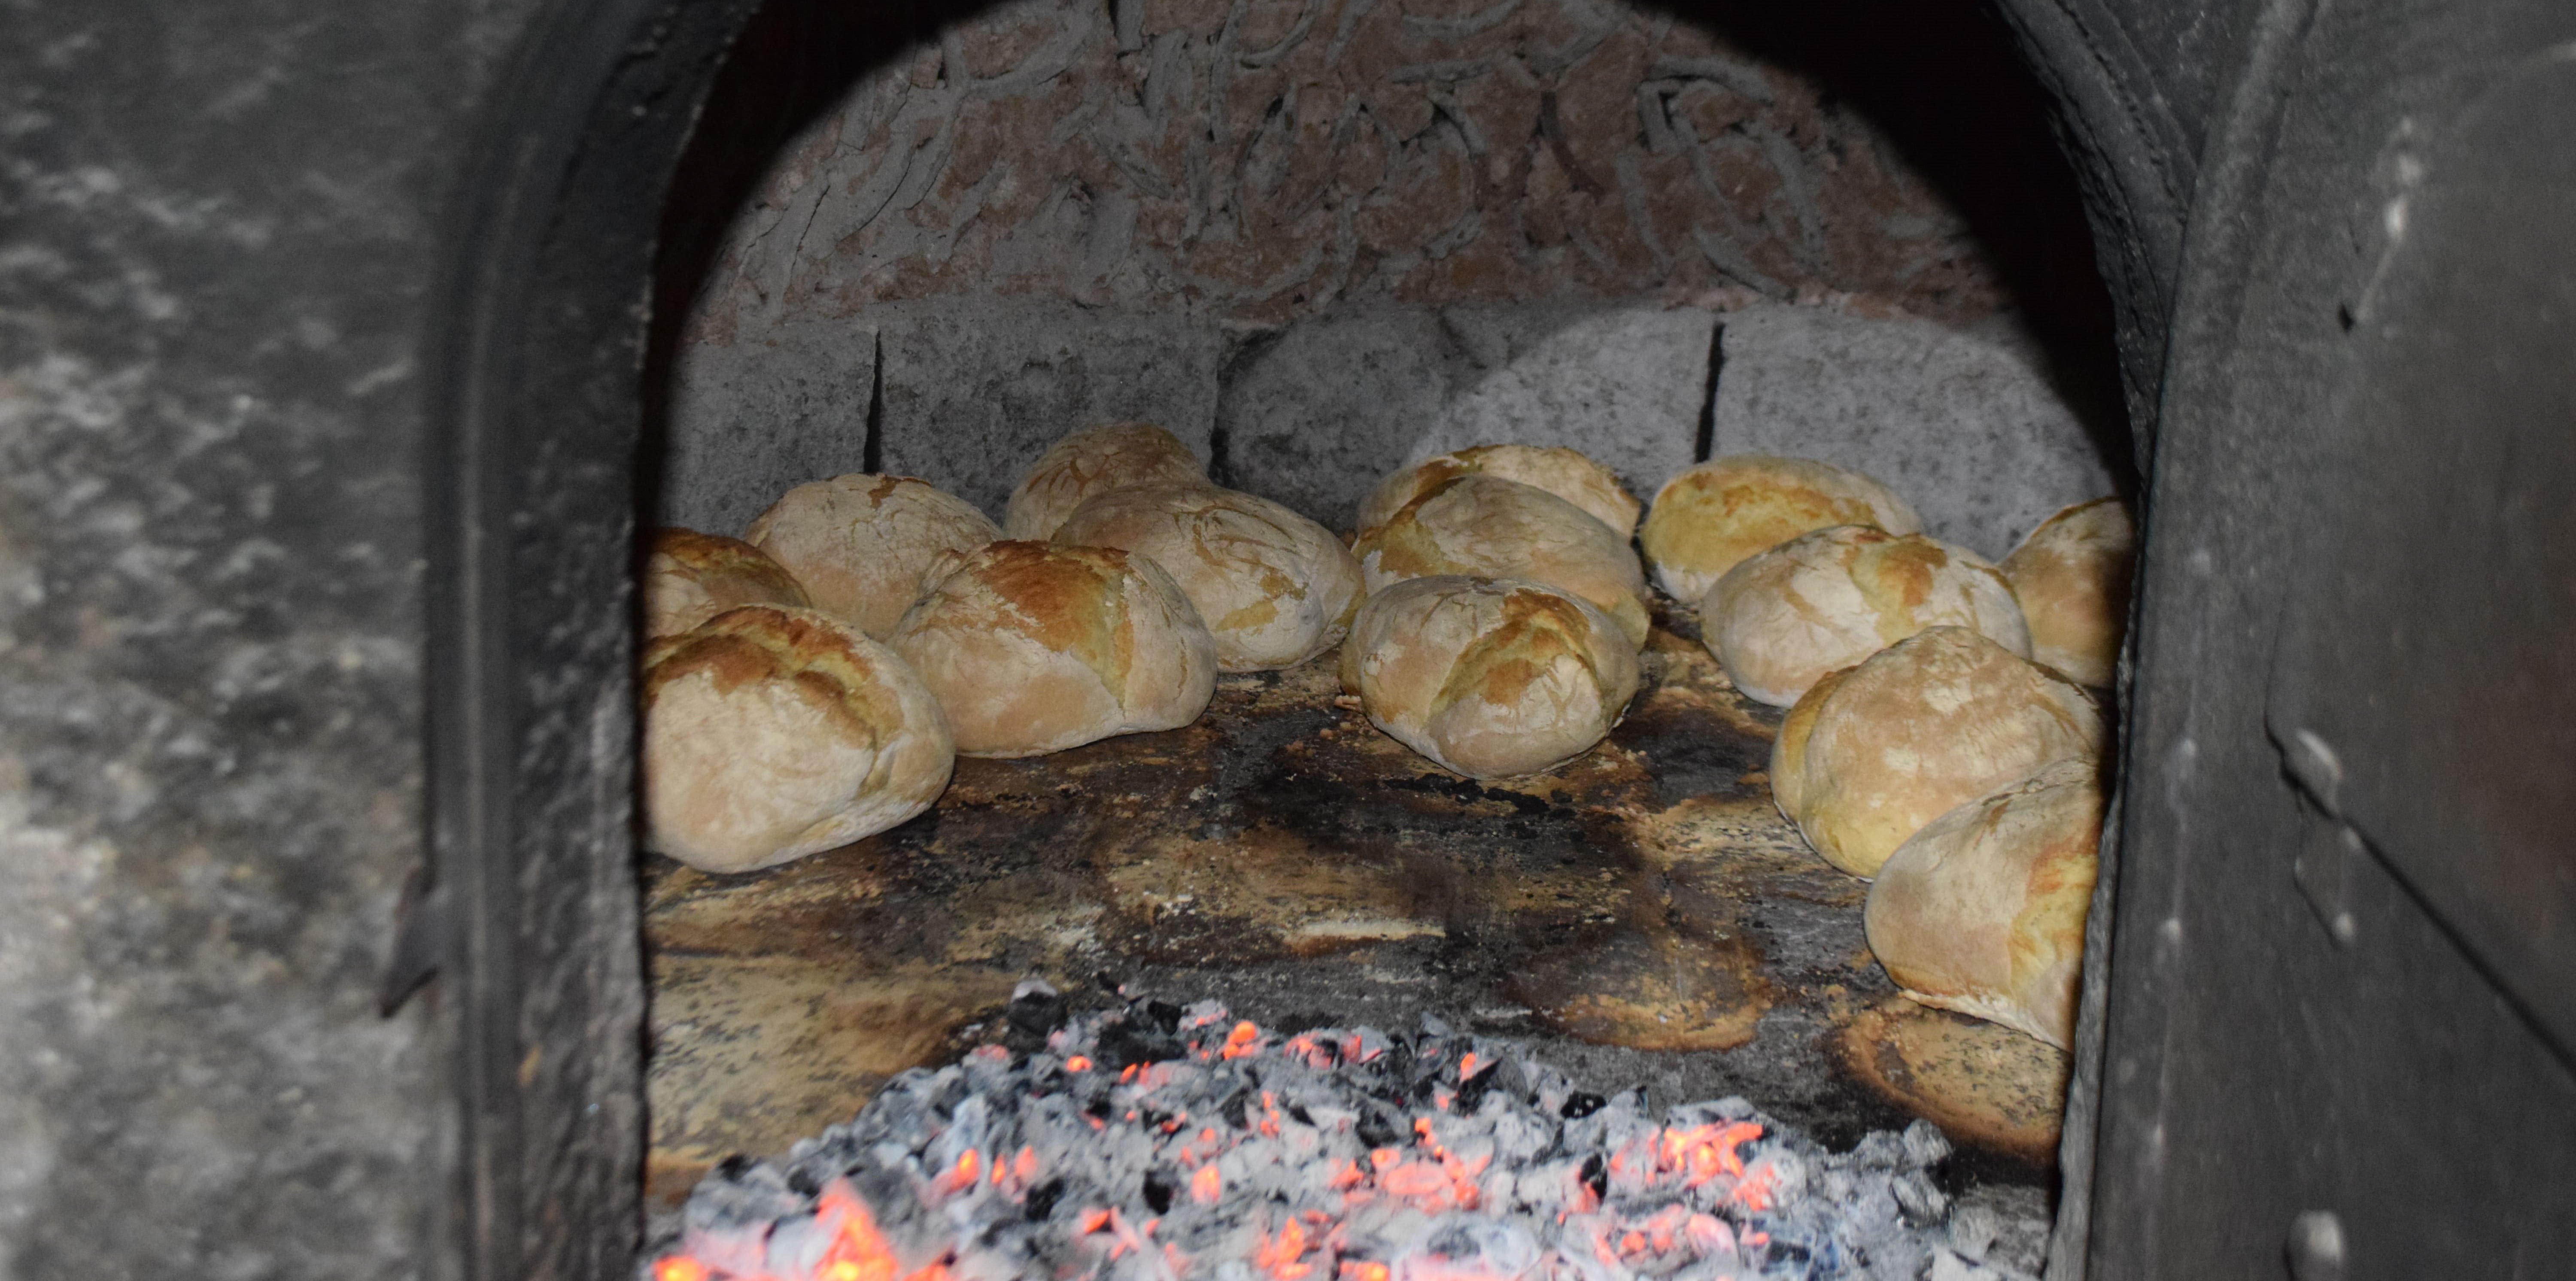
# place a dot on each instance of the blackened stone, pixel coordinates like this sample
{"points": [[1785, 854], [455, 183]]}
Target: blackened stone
{"points": [[1028, 1020]]}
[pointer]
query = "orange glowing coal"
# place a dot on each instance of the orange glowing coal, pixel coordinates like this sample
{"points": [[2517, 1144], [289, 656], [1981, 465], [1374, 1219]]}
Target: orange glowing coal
{"points": [[1244, 1039], [962, 1176], [1207, 1186], [679, 1268], [1278, 1255], [1703, 1152], [1078, 1063]]}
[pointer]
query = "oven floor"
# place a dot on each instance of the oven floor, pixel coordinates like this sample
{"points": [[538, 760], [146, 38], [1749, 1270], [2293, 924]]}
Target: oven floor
{"points": [[1643, 915]]}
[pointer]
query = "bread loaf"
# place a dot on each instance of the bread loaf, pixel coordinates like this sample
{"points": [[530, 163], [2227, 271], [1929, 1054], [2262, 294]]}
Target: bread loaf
{"points": [[2072, 577], [859, 542], [1034, 648], [1481, 526], [1563, 472], [691, 577], [1489, 677], [1826, 600], [771, 733], [1983, 910], [1093, 461], [1716, 514], [1273, 587], [1927, 724]]}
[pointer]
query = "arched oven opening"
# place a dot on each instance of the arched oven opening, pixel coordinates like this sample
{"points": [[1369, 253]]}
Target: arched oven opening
{"points": [[1318, 242], [1547, 267]]}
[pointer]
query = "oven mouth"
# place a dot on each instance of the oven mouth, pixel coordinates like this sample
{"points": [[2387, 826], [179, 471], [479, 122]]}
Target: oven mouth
{"points": [[568, 734], [1643, 913]]}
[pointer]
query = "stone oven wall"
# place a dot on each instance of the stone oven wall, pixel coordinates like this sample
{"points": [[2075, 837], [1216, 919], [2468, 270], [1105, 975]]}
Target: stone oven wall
{"points": [[1256, 161], [1317, 237]]}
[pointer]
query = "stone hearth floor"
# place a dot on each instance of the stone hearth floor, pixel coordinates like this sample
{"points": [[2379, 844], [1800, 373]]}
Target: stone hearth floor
{"points": [[1643, 914]]}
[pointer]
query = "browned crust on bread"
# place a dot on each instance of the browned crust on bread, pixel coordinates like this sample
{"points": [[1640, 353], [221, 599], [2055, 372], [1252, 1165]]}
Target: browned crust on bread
{"points": [[1536, 629], [1486, 527], [1716, 515], [1567, 473], [1067, 599], [1789, 750], [1093, 461], [764, 642]]}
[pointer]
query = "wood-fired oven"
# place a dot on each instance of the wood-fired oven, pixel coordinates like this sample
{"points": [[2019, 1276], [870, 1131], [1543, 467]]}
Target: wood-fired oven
{"points": [[347, 355]]}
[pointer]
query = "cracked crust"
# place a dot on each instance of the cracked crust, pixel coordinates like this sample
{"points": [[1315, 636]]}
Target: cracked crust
{"points": [[1823, 601], [1711, 518], [772, 733], [1487, 527], [1034, 648]]}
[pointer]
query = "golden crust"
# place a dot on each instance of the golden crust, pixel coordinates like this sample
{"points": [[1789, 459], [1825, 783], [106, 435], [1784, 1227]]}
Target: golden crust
{"points": [[771, 733], [859, 543], [1983, 910], [1091, 462], [1566, 473], [1482, 526], [1489, 677], [1826, 600], [691, 577], [1274, 588], [1035, 648], [1710, 518], [1925, 725], [1789, 748], [2072, 576]]}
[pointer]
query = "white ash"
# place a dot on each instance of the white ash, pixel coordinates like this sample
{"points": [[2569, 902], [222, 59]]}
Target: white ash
{"points": [[1153, 1143]]}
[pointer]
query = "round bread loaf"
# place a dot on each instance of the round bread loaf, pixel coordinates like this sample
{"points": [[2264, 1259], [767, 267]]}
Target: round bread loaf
{"points": [[1093, 461], [691, 577], [1563, 472], [2072, 577], [1716, 514], [772, 733], [1983, 910], [1489, 677], [1485, 527], [1780, 620], [1927, 724], [1273, 587], [859, 542], [1035, 648]]}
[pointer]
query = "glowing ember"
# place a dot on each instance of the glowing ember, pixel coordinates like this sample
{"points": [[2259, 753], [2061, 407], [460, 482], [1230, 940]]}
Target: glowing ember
{"points": [[1345, 1155]]}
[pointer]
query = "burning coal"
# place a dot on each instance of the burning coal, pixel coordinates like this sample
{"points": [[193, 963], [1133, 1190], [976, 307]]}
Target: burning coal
{"points": [[1154, 1143]]}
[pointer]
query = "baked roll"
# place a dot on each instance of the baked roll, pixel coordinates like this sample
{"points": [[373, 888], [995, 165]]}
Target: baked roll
{"points": [[1983, 910], [1563, 472], [691, 577], [1033, 648], [859, 542], [1826, 600], [771, 733], [2072, 578], [1273, 587], [1489, 677], [1485, 527], [1926, 725], [1713, 516], [1091, 462]]}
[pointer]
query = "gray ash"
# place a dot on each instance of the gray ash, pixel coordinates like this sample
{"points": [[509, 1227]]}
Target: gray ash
{"points": [[1155, 1143]]}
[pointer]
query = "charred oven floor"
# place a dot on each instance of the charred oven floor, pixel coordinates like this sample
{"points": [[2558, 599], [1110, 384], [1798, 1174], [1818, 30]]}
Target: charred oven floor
{"points": [[1643, 915]]}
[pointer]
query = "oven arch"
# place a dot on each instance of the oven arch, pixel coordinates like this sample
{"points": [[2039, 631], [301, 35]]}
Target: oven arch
{"points": [[533, 423]]}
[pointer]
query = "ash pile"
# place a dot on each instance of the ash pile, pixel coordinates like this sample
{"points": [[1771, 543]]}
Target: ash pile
{"points": [[1155, 1143]]}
